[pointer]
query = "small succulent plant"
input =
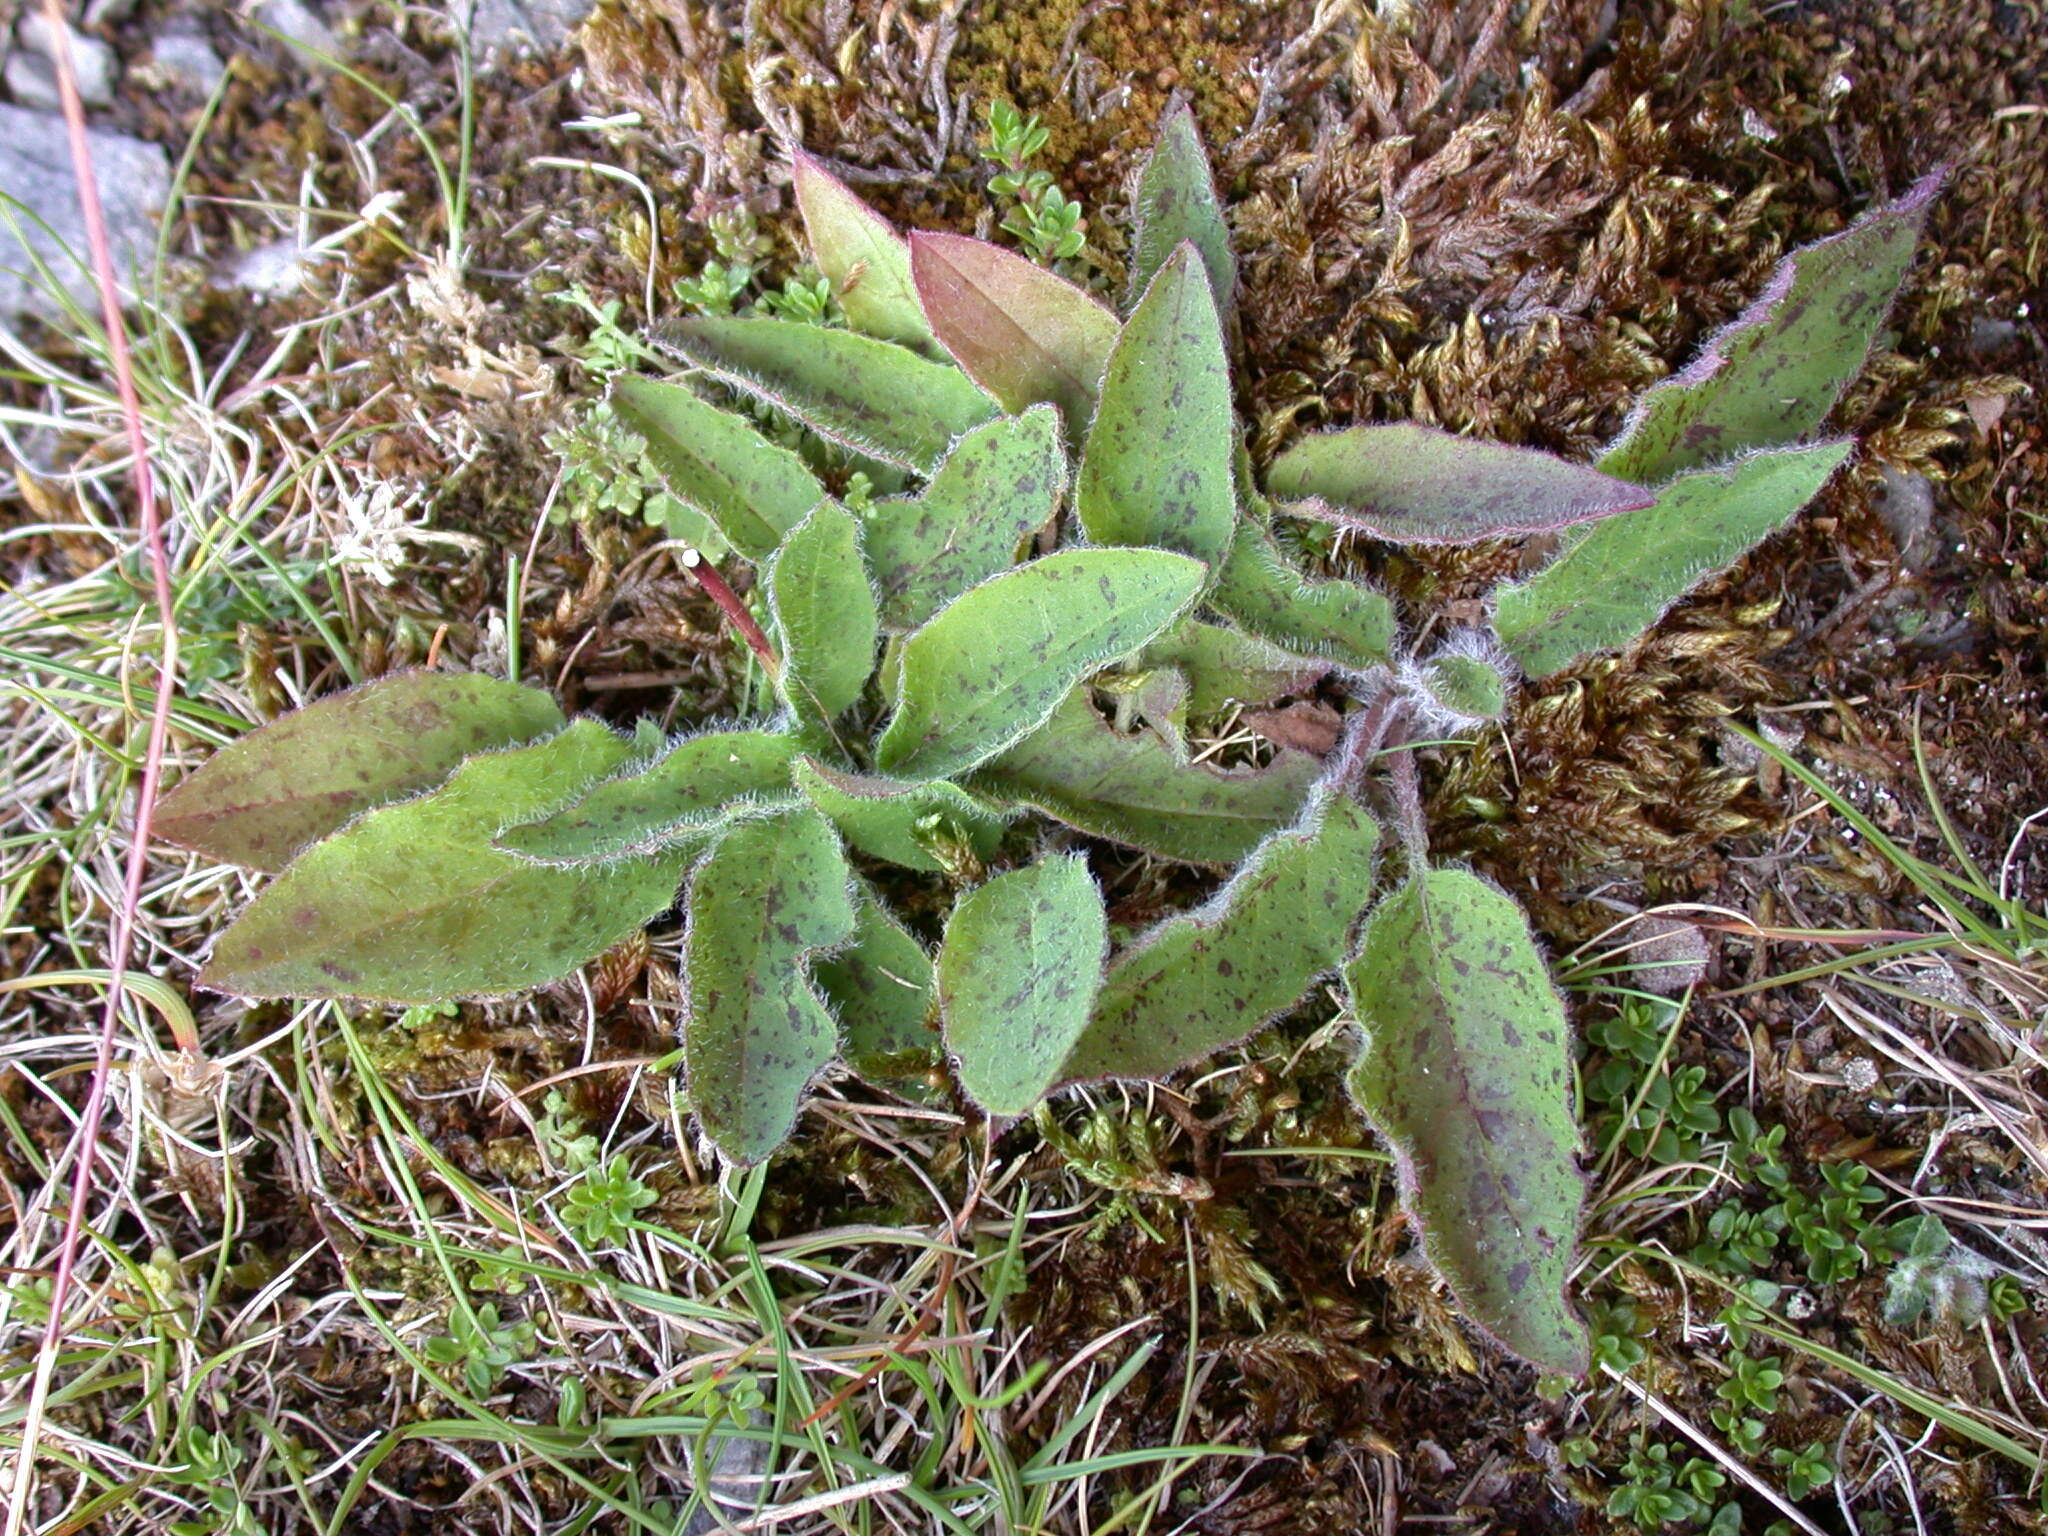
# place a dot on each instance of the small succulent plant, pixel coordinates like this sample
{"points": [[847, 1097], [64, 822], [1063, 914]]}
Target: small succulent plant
{"points": [[1068, 568]]}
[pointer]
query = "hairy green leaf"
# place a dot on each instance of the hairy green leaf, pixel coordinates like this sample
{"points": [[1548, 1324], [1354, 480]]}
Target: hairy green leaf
{"points": [[1001, 483], [1351, 625], [692, 786], [880, 985], [771, 893], [1157, 469], [861, 256], [993, 663], [905, 823], [824, 614], [1197, 982], [753, 491], [1079, 770], [412, 903], [260, 800], [1771, 377], [1467, 680], [1411, 484], [1616, 581], [1160, 699], [1177, 201], [1467, 1071], [873, 396], [1017, 975], [1022, 333], [1227, 666]]}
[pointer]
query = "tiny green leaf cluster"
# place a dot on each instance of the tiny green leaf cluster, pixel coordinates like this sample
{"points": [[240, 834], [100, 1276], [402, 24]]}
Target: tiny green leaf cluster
{"points": [[1010, 559]]}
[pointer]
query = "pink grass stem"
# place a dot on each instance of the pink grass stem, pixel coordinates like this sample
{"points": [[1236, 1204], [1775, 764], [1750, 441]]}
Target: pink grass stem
{"points": [[86, 1142]]}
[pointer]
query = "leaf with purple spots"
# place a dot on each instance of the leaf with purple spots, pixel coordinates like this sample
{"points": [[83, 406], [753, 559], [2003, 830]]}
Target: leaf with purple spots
{"points": [[688, 788], [990, 667], [261, 800], [1000, 484], [1771, 377], [1614, 582], [1176, 201], [1198, 982], [880, 986], [1157, 469], [771, 895], [1077, 768], [1344, 622], [414, 903], [1017, 974], [1467, 1071]]}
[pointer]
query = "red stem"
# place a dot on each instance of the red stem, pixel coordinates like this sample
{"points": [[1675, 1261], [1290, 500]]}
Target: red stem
{"points": [[735, 612]]}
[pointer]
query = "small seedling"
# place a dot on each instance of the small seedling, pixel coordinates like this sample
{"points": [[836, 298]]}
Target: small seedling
{"points": [[1049, 224], [1660, 1491], [207, 1466], [1805, 1469], [481, 1346], [1069, 520], [604, 1202]]}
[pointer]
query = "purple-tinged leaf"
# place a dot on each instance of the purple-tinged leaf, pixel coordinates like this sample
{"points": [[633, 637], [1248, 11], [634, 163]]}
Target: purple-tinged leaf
{"points": [[1771, 377], [1467, 1071], [413, 903], [1614, 581], [1410, 484], [1026, 335], [1199, 981], [861, 256], [259, 801]]}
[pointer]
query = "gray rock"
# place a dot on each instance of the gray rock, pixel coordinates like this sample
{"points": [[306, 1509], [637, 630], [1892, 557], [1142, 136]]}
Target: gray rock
{"points": [[734, 1480], [184, 62], [1991, 337], [1906, 503], [516, 26], [134, 181], [300, 24], [279, 267], [32, 71]]}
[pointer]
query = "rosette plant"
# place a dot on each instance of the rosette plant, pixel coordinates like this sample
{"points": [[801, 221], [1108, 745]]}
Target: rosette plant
{"points": [[1071, 571]]}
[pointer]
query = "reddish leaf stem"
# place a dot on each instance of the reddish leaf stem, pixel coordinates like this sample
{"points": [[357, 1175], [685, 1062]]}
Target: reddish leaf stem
{"points": [[735, 612]]}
